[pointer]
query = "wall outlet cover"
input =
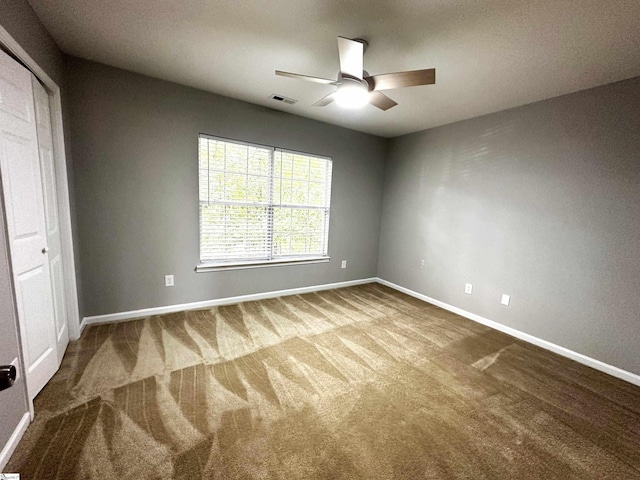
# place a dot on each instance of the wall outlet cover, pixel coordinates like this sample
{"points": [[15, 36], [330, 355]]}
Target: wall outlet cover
{"points": [[506, 299], [344, 264], [468, 288], [168, 281]]}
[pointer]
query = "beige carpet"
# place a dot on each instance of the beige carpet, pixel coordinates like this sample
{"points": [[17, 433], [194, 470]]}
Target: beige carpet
{"points": [[356, 383]]}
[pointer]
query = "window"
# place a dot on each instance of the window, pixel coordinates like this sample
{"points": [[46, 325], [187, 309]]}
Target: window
{"points": [[260, 205]]}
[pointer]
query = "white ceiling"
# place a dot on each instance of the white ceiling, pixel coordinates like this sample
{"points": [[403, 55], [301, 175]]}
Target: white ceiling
{"points": [[489, 55]]}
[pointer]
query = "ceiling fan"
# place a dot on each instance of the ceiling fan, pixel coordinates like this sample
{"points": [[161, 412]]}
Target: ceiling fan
{"points": [[355, 87]]}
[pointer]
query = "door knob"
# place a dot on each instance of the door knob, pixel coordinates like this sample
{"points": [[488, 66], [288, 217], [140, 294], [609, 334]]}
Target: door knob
{"points": [[7, 376], [45, 250]]}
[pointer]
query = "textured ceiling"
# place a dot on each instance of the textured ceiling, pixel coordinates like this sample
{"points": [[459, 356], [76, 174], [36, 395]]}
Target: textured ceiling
{"points": [[490, 55]]}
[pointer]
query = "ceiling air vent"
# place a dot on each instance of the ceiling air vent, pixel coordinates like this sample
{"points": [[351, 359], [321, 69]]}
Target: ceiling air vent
{"points": [[282, 98]]}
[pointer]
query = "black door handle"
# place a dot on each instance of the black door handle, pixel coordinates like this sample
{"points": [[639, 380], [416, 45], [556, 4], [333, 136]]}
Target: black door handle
{"points": [[7, 376]]}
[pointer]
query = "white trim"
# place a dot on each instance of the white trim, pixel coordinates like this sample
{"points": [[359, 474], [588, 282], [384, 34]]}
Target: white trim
{"points": [[218, 267], [83, 324], [14, 439], [565, 352], [146, 312]]}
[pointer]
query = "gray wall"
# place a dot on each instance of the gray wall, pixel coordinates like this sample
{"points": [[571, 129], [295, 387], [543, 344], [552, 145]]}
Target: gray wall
{"points": [[540, 202], [17, 18], [134, 149]]}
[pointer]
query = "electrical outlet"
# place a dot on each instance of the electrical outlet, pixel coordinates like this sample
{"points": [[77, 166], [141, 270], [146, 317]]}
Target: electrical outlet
{"points": [[506, 299], [468, 288], [168, 281], [344, 264], [422, 263]]}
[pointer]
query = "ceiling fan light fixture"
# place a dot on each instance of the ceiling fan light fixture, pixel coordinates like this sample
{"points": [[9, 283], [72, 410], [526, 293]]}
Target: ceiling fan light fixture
{"points": [[355, 87], [352, 93]]}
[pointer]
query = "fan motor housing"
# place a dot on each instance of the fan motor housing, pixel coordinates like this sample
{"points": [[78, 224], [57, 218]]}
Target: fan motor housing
{"points": [[344, 79]]}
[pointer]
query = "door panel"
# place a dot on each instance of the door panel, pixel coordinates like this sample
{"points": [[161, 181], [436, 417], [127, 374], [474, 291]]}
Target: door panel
{"points": [[22, 188], [21, 182], [59, 308], [49, 187], [34, 306], [13, 101], [50, 194]]}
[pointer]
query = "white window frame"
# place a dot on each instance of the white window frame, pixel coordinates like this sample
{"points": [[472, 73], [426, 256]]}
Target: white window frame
{"points": [[272, 260]]}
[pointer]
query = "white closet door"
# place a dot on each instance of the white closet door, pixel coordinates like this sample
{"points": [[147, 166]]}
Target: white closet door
{"points": [[50, 194], [22, 188]]}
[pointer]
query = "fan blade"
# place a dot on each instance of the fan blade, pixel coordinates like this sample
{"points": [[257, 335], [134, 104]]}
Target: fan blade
{"points": [[387, 81], [351, 57], [306, 77], [326, 100], [381, 101]]}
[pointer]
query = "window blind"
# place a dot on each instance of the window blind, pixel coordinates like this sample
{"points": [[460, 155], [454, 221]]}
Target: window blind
{"points": [[259, 203]]}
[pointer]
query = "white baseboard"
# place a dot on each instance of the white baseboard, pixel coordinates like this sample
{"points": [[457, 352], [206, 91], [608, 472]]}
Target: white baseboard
{"points": [[146, 312], [83, 324], [565, 352], [13, 441]]}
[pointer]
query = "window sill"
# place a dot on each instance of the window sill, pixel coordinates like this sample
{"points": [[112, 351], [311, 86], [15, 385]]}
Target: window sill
{"points": [[281, 262]]}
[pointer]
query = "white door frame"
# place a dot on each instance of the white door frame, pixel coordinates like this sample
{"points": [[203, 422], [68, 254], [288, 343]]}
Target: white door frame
{"points": [[64, 207]]}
